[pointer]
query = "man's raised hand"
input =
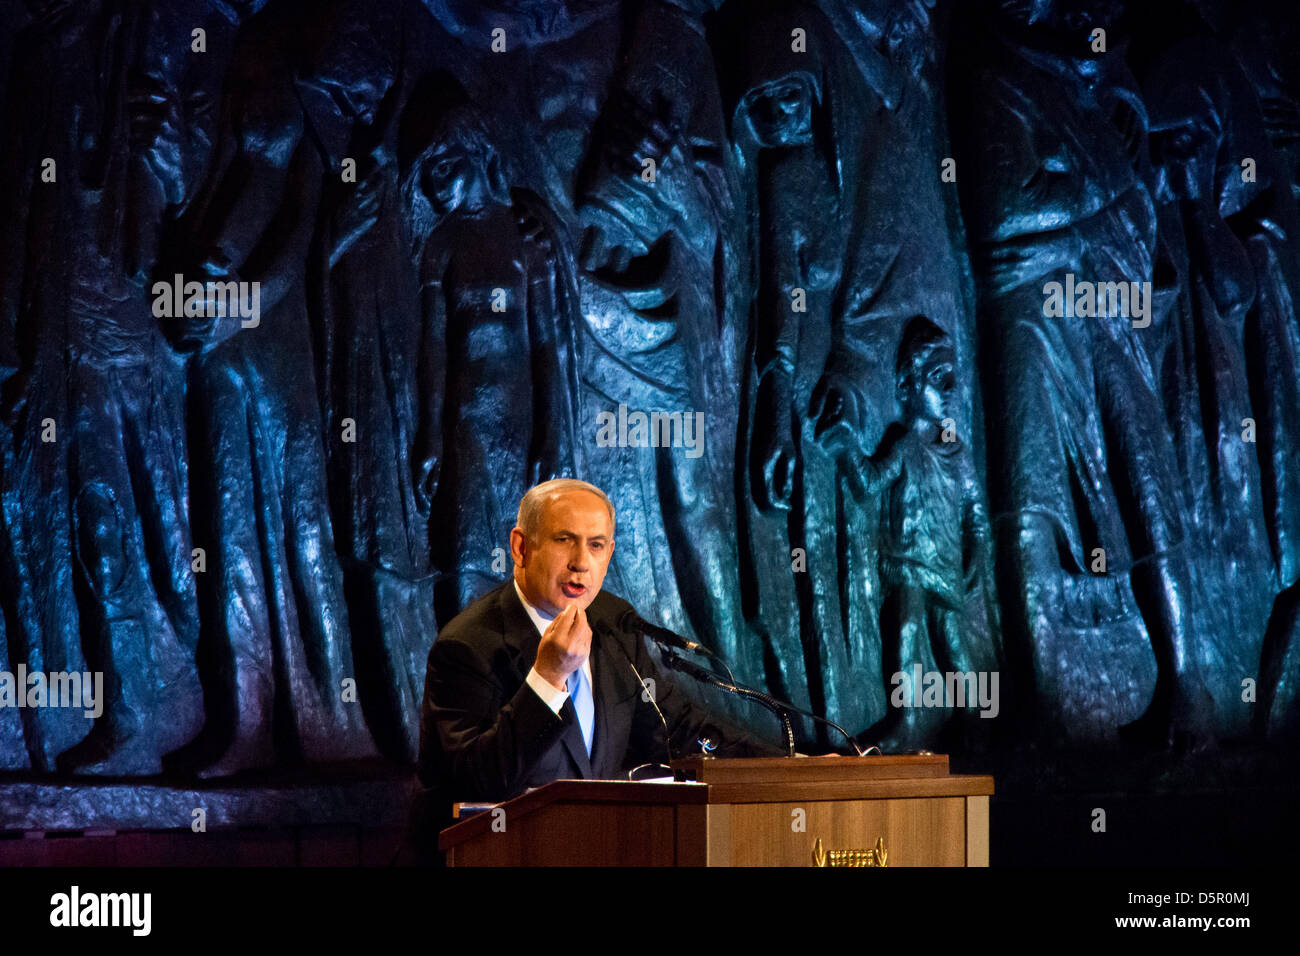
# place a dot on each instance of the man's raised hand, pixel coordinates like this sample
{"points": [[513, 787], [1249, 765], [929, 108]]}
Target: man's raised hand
{"points": [[564, 646]]}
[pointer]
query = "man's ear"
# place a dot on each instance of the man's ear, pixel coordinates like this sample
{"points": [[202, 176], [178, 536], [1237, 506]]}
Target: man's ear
{"points": [[518, 546]]}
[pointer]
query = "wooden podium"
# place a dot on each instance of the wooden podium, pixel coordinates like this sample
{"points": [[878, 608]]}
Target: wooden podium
{"points": [[801, 811]]}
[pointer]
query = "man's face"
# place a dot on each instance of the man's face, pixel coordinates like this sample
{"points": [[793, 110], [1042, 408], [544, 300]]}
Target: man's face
{"points": [[781, 112], [567, 561], [1185, 142], [358, 97], [455, 177], [930, 389]]}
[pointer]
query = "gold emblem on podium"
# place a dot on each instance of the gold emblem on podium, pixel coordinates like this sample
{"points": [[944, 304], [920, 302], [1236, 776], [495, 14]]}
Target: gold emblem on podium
{"points": [[877, 856]]}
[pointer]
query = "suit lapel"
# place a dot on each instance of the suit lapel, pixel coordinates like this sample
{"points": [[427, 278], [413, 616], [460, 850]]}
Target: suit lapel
{"points": [[522, 639], [611, 719], [600, 694], [519, 632]]}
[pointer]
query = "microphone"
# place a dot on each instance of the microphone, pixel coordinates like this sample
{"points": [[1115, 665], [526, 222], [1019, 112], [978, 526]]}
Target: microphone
{"points": [[632, 621]]}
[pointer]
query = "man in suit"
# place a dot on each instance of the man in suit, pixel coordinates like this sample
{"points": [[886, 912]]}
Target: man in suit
{"points": [[538, 679]]}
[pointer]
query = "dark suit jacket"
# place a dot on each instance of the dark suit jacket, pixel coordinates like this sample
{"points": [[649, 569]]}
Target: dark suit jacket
{"points": [[486, 735]]}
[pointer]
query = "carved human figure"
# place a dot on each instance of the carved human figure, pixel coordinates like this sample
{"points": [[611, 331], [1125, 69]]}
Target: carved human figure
{"points": [[660, 332], [838, 132], [1219, 328], [495, 381], [792, 133], [1263, 41], [119, 178], [906, 254], [278, 651], [368, 304], [936, 569], [1081, 462], [36, 527]]}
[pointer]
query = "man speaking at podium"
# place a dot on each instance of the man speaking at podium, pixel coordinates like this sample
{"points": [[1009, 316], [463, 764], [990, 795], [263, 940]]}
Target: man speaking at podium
{"points": [[538, 679]]}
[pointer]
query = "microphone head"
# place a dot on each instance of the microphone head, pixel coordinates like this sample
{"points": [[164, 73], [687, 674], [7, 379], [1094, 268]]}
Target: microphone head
{"points": [[630, 620]]}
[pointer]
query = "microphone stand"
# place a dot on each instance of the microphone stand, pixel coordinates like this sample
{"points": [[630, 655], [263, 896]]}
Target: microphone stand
{"points": [[675, 661]]}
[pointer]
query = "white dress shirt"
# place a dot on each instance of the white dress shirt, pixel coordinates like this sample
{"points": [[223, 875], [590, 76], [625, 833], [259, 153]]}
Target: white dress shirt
{"points": [[553, 698]]}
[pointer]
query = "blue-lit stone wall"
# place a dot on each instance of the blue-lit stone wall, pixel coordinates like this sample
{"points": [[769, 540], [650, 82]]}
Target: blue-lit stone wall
{"points": [[910, 339]]}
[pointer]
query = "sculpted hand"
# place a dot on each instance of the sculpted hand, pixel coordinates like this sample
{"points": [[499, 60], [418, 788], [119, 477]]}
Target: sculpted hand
{"points": [[774, 467], [565, 645], [426, 482], [190, 333], [532, 229], [837, 412], [773, 456], [426, 464], [608, 244]]}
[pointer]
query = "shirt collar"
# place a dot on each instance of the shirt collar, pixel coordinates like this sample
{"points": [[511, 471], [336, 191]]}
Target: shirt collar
{"points": [[540, 621]]}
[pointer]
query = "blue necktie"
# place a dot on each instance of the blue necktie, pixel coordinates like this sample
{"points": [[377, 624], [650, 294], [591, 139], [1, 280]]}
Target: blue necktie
{"points": [[580, 691]]}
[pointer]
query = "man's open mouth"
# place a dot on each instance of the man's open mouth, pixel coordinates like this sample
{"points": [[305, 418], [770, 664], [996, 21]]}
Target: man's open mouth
{"points": [[572, 589]]}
